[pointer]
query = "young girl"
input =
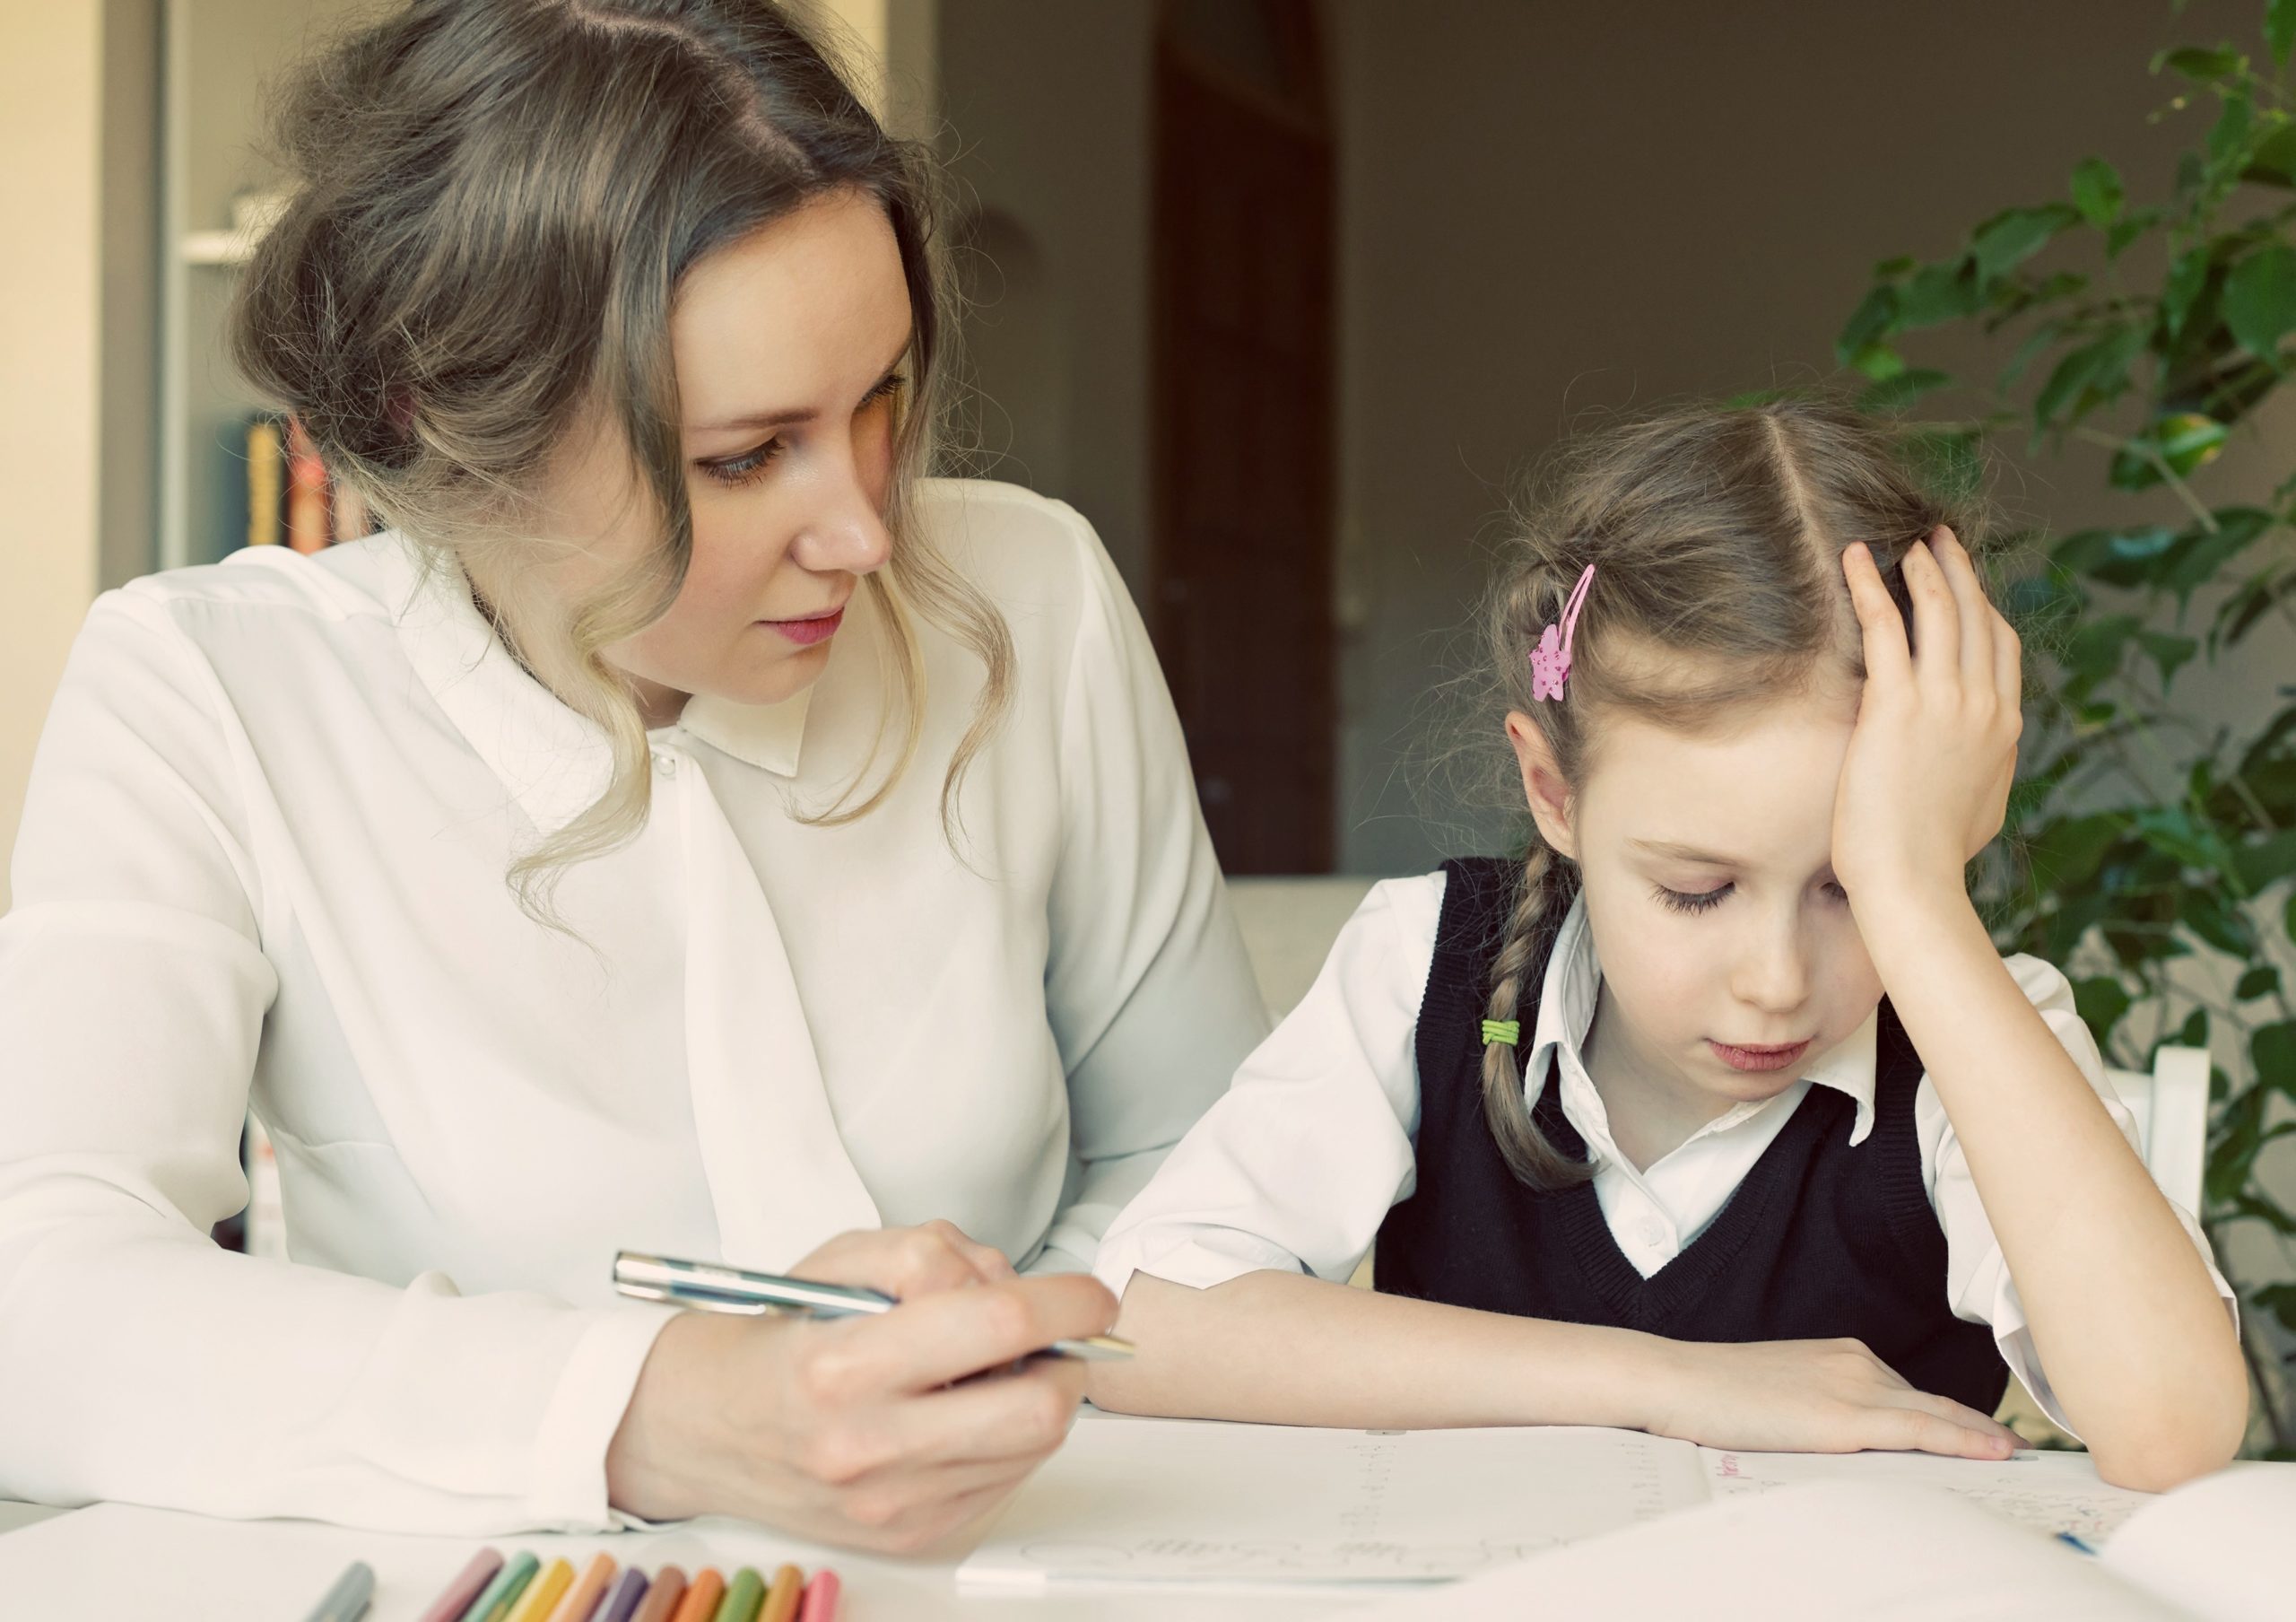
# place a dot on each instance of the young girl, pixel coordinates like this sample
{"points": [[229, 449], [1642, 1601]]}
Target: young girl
{"points": [[1728, 1058]]}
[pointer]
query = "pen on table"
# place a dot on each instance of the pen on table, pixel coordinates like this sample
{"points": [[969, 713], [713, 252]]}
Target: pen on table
{"points": [[819, 1603], [460, 1597], [712, 1287], [2076, 1542], [348, 1600]]}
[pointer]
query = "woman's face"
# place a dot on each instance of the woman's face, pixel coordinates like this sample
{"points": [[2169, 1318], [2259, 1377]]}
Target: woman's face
{"points": [[789, 346]]}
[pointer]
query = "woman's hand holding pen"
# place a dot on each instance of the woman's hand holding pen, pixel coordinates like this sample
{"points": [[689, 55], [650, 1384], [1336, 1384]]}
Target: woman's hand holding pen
{"points": [[887, 1432]]}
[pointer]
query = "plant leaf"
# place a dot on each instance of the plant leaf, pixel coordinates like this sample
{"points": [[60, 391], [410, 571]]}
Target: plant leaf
{"points": [[2260, 981], [2013, 236], [2260, 300], [2274, 1048], [2203, 64], [2187, 277], [1871, 321], [2097, 192], [2279, 31]]}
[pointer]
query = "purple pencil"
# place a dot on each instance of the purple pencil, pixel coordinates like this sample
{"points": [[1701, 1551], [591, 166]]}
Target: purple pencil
{"points": [[623, 1601], [450, 1606]]}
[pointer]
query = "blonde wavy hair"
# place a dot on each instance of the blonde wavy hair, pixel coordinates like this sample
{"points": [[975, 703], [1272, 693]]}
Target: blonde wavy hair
{"points": [[1716, 535], [494, 203]]}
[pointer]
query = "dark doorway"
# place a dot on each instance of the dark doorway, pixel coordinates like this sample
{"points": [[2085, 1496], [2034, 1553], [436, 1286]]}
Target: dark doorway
{"points": [[1242, 310]]}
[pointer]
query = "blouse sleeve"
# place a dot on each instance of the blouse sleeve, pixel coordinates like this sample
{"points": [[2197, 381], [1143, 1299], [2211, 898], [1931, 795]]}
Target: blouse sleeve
{"points": [[1150, 993], [1295, 1168], [1976, 1274], [144, 1363]]}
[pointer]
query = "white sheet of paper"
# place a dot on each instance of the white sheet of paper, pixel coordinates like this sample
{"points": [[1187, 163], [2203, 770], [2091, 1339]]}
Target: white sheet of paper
{"points": [[1882, 1551], [1160, 1501], [2050, 1492]]}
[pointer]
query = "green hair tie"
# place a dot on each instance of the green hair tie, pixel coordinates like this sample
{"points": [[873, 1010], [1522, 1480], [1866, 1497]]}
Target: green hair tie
{"points": [[1508, 1030]]}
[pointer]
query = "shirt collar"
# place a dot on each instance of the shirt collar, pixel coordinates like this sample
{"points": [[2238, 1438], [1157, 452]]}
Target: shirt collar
{"points": [[555, 761], [769, 736], [1567, 997]]}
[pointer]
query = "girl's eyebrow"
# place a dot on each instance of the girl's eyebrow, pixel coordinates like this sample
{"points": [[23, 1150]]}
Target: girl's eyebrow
{"points": [[1662, 847]]}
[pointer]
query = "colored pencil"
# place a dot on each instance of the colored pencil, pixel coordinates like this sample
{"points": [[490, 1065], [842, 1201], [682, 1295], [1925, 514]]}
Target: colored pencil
{"points": [[701, 1597], [588, 1590], [534, 1605], [820, 1598], [457, 1597], [348, 1600], [781, 1598], [743, 1597], [661, 1602], [495, 1602], [621, 1602]]}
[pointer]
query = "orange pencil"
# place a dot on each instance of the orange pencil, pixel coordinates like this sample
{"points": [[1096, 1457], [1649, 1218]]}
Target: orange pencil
{"points": [[781, 1599], [701, 1597], [661, 1602], [536, 1602], [583, 1597]]}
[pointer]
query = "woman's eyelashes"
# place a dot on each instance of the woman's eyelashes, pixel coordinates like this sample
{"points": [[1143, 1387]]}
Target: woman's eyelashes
{"points": [[1706, 900], [749, 467]]}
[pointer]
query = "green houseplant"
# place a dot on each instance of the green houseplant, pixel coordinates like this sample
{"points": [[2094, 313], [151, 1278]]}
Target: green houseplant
{"points": [[2150, 849]]}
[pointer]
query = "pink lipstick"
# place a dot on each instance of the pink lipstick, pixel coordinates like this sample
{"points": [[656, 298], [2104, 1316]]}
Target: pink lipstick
{"points": [[806, 632], [1757, 1058]]}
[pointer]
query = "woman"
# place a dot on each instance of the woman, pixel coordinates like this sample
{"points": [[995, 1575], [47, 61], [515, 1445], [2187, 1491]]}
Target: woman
{"points": [[684, 830]]}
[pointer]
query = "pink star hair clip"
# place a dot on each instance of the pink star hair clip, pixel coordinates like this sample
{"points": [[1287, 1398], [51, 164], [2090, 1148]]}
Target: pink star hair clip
{"points": [[1551, 659]]}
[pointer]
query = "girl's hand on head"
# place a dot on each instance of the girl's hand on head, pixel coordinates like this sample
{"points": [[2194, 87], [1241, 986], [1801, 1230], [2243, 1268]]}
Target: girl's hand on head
{"points": [[1925, 785], [1813, 1397]]}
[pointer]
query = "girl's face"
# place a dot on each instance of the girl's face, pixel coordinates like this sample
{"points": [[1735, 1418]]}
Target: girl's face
{"points": [[789, 346], [1715, 911]]}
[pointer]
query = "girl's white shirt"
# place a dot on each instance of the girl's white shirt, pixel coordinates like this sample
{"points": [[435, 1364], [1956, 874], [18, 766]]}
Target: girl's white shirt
{"points": [[262, 863], [1296, 1167]]}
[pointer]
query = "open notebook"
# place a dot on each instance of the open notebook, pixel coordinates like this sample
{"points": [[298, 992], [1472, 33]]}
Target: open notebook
{"points": [[1895, 1552], [1132, 1502]]}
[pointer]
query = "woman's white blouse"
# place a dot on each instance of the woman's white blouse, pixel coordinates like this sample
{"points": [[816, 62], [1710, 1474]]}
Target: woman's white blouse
{"points": [[1297, 1166], [262, 862]]}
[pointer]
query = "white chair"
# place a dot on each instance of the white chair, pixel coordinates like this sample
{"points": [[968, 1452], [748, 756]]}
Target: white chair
{"points": [[1289, 924], [2171, 1110]]}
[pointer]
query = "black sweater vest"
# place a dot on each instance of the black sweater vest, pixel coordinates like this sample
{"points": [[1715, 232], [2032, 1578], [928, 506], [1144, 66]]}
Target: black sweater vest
{"points": [[1819, 1240]]}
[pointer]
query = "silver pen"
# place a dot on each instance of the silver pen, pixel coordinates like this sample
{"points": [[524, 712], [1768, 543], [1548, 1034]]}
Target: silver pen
{"points": [[712, 1287]]}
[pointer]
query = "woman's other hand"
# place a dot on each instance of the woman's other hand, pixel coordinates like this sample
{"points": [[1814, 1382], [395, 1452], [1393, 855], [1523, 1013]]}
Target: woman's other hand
{"points": [[888, 1433]]}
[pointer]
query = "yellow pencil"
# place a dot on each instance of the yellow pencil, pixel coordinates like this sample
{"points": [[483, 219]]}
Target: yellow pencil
{"points": [[781, 1599], [583, 1597], [536, 1603]]}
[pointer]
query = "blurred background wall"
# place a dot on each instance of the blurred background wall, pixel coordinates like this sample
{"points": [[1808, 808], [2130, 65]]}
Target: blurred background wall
{"points": [[1521, 214]]}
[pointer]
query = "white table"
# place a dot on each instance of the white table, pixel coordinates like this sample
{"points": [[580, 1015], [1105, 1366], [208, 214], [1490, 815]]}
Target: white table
{"points": [[192, 1569]]}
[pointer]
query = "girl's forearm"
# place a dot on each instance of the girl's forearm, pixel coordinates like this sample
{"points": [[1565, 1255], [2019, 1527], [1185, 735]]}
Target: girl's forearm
{"points": [[1284, 1348], [2138, 1346]]}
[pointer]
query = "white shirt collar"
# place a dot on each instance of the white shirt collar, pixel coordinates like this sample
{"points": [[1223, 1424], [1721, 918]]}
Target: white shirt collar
{"points": [[1567, 997], [555, 761]]}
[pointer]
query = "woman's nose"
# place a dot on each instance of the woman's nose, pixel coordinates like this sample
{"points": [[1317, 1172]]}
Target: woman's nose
{"points": [[847, 535]]}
